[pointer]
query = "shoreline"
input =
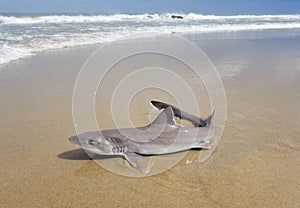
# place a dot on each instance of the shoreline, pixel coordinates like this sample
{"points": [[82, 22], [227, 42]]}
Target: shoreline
{"points": [[241, 34]]}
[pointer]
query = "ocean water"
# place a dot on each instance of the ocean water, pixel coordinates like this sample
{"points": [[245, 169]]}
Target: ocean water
{"points": [[22, 36]]}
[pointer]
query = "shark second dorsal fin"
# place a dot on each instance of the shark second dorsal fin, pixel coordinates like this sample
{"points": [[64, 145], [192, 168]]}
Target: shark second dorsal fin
{"points": [[165, 117]]}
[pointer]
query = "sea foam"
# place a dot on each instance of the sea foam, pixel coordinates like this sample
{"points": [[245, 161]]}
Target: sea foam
{"points": [[23, 36]]}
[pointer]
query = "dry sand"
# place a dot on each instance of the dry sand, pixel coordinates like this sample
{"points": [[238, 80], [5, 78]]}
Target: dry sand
{"points": [[256, 164]]}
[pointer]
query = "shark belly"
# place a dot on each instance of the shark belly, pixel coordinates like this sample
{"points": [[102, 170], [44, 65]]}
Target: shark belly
{"points": [[166, 146]]}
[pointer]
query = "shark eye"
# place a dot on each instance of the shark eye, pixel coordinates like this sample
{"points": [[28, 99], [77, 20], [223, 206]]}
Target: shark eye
{"points": [[91, 142]]}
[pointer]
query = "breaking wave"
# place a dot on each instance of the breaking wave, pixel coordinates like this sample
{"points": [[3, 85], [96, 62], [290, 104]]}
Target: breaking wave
{"points": [[23, 36]]}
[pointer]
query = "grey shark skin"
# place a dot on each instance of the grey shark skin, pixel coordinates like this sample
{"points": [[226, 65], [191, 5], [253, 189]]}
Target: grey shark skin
{"points": [[162, 136], [198, 122]]}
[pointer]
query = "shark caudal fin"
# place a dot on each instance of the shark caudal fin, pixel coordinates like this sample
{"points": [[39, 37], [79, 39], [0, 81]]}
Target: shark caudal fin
{"points": [[197, 121], [209, 119]]}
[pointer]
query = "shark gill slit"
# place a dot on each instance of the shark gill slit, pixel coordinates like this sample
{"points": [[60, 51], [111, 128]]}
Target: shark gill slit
{"points": [[118, 147]]}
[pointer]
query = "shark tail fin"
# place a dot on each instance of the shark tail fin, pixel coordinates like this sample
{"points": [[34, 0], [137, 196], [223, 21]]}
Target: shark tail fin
{"points": [[209, 119]]}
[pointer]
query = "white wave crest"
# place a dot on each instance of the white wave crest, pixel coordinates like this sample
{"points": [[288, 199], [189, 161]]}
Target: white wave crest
{"points": [[140, 17], [24, 36]]}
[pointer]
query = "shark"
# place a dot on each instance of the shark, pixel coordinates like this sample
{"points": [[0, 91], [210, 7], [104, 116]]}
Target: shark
{"points": [[162, 136]]}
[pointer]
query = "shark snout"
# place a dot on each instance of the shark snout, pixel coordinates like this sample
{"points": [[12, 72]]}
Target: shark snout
{"points": [[75, 140]]}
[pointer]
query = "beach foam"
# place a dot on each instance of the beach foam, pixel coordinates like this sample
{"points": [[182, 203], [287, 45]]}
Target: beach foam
{"points": [[23, 36]]}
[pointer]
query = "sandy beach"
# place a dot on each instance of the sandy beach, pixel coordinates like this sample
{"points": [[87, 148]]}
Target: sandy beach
{"points": [[256, 163]]}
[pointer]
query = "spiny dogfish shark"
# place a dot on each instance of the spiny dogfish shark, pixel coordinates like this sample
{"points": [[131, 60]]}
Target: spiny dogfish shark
{"points": [[162, 136]]}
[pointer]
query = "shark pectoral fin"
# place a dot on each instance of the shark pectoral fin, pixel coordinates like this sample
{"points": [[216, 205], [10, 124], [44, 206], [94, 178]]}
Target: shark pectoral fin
{"points": [[132, 158], [134, 161]]}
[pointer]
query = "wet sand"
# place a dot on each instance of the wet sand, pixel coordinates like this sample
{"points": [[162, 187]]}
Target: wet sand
{"points": [[256, 163]]}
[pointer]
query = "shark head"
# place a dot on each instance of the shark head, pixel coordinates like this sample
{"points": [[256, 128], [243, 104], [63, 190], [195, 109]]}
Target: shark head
{"points": [[93, 142]]}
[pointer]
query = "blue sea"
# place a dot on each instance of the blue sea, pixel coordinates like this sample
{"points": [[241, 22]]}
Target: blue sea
{"points": [[22, 36]]}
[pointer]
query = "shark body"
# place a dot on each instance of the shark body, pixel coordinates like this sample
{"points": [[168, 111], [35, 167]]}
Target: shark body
{"points": [[162, 136]]}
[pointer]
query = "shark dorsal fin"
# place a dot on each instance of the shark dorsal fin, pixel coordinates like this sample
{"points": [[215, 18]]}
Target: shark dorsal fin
{"points": [[165, 117], [196, 121]]}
